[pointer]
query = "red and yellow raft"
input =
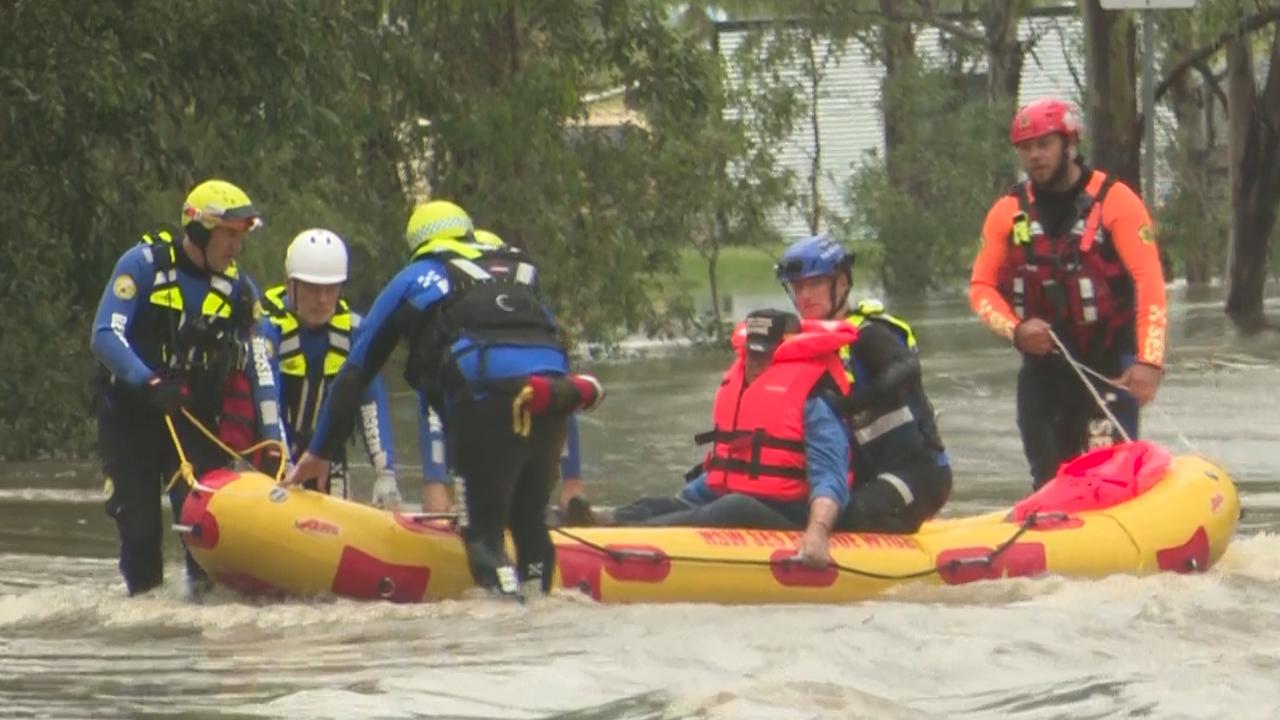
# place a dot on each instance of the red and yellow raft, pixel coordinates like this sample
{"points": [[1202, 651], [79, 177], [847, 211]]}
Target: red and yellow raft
{"points": [[1131, 509]]}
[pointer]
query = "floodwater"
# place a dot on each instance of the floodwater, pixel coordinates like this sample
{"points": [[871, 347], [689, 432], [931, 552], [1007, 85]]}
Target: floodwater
{"points": [[1175, 646]]}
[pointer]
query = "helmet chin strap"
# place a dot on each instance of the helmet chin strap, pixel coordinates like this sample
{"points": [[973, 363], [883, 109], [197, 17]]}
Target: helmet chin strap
{"points": [[198, 259], [840, 308]]}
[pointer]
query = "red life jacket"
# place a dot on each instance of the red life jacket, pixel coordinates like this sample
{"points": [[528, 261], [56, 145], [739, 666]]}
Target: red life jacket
{"points": [[237, 426], [759, 428], [1074, 281]]}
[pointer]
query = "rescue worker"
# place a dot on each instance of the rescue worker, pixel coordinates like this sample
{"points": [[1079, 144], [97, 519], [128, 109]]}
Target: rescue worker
{"points": [[174, 330], [439, 489], [904, 474], [1071, 251], [487, 355], [780, 454], [311, 331]]}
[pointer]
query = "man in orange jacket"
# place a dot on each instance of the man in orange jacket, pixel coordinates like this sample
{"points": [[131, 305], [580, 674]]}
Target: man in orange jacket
{"points": [[1070, 252]]}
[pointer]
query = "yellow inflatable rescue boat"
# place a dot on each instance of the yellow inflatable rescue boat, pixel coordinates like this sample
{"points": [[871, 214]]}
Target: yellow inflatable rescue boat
{"points": [[1129, 509]]}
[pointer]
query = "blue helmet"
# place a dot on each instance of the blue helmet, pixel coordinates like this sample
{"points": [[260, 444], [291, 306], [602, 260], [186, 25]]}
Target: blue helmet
{"points": [[814, 256]]}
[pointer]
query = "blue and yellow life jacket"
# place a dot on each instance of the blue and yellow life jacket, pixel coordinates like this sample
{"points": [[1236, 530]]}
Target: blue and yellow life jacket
{"points": [[304, 389]]}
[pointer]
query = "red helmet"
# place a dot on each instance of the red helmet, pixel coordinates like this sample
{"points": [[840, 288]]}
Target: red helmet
{"points": [[1045, 117]]}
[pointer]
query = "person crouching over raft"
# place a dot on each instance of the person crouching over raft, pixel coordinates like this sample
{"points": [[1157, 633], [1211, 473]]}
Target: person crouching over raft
{"points": [[488, 356], [780, 453]]}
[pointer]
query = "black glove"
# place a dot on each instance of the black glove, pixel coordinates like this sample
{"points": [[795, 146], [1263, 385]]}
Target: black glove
{"points": [[168, 395]]}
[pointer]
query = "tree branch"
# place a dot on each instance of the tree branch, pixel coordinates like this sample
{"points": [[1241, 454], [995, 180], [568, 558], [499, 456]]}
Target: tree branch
{"points": [[1211, 83], [930, 16], [1246, 26]]}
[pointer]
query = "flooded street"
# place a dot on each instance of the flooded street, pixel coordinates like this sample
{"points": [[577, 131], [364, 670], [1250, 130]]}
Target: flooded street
{"points": [[1202, 646]]}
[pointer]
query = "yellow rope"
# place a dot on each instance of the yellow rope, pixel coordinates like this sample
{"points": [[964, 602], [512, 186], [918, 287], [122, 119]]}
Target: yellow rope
{"points": [[521, 422], [185, 468]]}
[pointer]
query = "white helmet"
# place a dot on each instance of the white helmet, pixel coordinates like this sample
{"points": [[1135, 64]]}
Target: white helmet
{"points": [[317, 256]]}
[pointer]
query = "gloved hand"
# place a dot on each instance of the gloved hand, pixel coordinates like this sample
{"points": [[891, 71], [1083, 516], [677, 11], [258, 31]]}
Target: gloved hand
{"points": [[167, 394], [386, 494], [563, 394]]}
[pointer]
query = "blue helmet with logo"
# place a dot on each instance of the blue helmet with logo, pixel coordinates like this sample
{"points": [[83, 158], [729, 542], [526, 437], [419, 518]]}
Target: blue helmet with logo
{"points": [[814, 256]]}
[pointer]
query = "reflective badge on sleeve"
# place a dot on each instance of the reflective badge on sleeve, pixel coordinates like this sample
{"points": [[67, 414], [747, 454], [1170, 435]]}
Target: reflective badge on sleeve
{"points": [[124, 287]]}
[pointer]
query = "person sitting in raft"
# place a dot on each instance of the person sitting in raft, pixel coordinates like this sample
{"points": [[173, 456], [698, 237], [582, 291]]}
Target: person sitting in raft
{"points": [[780, 453]]}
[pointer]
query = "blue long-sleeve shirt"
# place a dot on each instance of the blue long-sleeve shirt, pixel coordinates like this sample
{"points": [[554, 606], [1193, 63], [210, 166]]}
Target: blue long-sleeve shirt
{"points": [[826, 453], [375, 408], [115, 325], [399, 309]]}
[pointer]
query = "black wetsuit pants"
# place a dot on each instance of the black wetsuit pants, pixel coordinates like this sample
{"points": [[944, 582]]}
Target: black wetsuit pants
{"points": [[138, 458], [509, 475], [1058, 418], [897, 501]]}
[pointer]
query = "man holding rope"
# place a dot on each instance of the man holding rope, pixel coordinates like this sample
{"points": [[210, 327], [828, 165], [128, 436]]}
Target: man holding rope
{"points": [[173, 336], [1070, 273]]}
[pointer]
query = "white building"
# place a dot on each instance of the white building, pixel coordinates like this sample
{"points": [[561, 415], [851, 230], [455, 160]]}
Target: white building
{"points": [[850, 123]]}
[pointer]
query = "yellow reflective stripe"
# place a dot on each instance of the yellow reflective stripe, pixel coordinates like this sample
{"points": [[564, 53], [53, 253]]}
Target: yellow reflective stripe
{"points": [[856, 319], [167, 296], [458, 247], [165, 292], [217, 302], [341, 320], [904, 327], [293, 361], [873, 308], [333, 362], [296, 365], [1021, 229]]}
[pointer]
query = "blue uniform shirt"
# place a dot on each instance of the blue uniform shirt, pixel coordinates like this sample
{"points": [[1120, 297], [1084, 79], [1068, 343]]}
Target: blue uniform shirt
{"points": [[128, 290]]}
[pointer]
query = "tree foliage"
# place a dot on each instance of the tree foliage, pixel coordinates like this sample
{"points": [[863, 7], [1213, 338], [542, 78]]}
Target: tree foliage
{"points": [[339, 115]]}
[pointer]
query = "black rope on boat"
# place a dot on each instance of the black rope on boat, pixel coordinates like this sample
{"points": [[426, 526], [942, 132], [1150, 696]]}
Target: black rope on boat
{"points": [[656, 557]]}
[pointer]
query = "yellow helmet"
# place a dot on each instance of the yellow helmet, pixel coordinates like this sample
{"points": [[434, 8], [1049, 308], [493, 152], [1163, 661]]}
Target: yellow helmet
{"points": [[437, 220], [488, 238], [217, 202]]}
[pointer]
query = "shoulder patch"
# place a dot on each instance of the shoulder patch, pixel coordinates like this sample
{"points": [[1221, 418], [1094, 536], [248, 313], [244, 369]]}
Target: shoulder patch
{"points": [[124, 287], [1146, 234]]}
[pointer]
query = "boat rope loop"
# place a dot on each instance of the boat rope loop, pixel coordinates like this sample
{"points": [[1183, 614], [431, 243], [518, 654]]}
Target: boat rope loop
{"points": [[1080, 369], [657, 556], [185, 468]]}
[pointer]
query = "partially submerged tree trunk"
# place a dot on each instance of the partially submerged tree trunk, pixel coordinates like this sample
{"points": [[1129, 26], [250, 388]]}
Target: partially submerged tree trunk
{"points": [[1254, 148], [1115, 133]]}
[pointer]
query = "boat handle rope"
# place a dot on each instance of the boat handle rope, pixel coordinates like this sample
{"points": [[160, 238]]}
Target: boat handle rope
{"points": [[1082, 368], [657, 556], [185, 469], [1097, 398]]}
